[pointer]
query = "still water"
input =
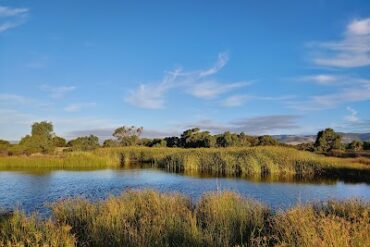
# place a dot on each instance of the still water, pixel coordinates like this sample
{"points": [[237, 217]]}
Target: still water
{"points": [[34, 190]]}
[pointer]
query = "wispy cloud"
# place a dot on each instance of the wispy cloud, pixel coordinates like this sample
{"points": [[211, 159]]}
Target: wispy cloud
{"points": [[353, 50], [253, 125], [196, 83], [346, 90], [352, 117], [11, 17], [13, 98], [75, 107], [241, 99], [57, 92]]}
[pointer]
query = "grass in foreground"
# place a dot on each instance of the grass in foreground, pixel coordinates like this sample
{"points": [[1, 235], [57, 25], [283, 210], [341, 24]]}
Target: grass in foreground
{"points": [[149, 218], [252, 161]]}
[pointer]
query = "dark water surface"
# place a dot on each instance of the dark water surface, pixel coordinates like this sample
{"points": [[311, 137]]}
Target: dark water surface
{"points": [[33, 190]]}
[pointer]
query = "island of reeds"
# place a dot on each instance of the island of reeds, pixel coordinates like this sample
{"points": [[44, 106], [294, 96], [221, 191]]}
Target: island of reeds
{"points": [[226, 154], [149, 218]]}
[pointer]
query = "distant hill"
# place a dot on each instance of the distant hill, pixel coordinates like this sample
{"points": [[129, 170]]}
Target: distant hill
{"points": [[296, 139]]}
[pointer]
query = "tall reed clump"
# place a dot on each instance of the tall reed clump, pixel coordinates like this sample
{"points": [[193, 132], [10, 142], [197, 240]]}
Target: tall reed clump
{"points": [[148, 218], [73, 160], [18, 230], [325, 224], [227, 219], [144, 218]]}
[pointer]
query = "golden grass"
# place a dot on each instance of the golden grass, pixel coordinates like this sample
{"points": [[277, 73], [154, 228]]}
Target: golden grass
{"points": [[20, 231], [218, 219], [253, 161]]}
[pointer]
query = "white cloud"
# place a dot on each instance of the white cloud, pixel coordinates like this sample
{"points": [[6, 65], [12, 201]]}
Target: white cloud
{"points": [[195, 83], [13, 98], [323, 79], [11, 17], [349, 89], [352, 117], [57, 92], [235, 100], [212, 89], [10, 12], [238, 100], [270, 124], [78, 106], [351, 51]]}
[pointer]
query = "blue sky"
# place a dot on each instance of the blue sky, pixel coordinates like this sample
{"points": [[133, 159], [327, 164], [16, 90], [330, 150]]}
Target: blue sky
{"points": [[263, 67]]}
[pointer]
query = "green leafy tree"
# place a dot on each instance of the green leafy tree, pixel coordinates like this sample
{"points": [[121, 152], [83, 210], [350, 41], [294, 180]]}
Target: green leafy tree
{"points": [[85, 143], [194, 138], [267, 140], [328, 140], [355, 145], [128, 136], [4, 147], [59, 141], [43, 128], [173, 141], [40, 140], [110, 143], [309, 146], [366, 145], [227, 139]]}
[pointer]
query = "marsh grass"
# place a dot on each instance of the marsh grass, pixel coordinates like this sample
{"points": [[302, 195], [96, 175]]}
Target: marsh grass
{"points": [[253, 161], [148, 218], [18, 230]]}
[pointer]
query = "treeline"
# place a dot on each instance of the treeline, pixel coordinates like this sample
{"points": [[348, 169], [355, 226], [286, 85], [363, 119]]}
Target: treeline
{"points": [[328, 141], [43, 140]]}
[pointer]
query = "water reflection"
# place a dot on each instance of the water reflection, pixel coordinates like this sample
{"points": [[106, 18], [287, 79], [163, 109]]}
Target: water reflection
{"points": [[31, 190]]}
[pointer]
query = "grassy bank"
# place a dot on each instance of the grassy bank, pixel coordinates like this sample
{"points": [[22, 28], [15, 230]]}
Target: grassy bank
{"points": [[148, 218], [254, 161]]}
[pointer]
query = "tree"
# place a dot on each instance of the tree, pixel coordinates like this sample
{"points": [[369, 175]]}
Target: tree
{"points": [[40, 140], [194, 138], [128, 136], [85, 143], [43, 128], [327, 140], [4, 147], [366, 145], [59, 141], [267, 140], [227, 139], [109, 143], [309, 146], [173, 141], [355, 145]]}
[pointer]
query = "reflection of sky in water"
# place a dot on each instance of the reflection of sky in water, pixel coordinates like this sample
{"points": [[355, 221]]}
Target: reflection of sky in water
{"points": [[31, 191]]}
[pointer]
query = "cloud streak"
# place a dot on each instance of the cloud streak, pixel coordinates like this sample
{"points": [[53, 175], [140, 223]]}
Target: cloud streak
{"points": [[11, 17], [353, 50], [196, 83], [57, 92], [253, 125]]}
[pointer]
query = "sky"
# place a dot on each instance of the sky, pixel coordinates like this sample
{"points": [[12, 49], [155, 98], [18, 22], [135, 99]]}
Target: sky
{"points": [[262, 67]]}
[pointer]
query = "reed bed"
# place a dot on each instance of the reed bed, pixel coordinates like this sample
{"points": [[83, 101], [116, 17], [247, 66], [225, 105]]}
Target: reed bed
{"points": [[218, 219], [253, 161]]}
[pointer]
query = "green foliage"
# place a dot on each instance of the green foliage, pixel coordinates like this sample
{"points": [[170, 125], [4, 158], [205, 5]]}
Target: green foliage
{"points": [[59, 141], [194, 138], [156, 142], [36, 144], [355, 146], [327, 140], [85, 143], [43, 128], [306, 147], [173, 142], [109, 143], [4, 147], [366, 145], [267, 140], [128, 136]]}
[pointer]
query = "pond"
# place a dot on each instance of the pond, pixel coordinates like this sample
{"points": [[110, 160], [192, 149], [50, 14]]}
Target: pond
{"points": [[34, 190]]}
